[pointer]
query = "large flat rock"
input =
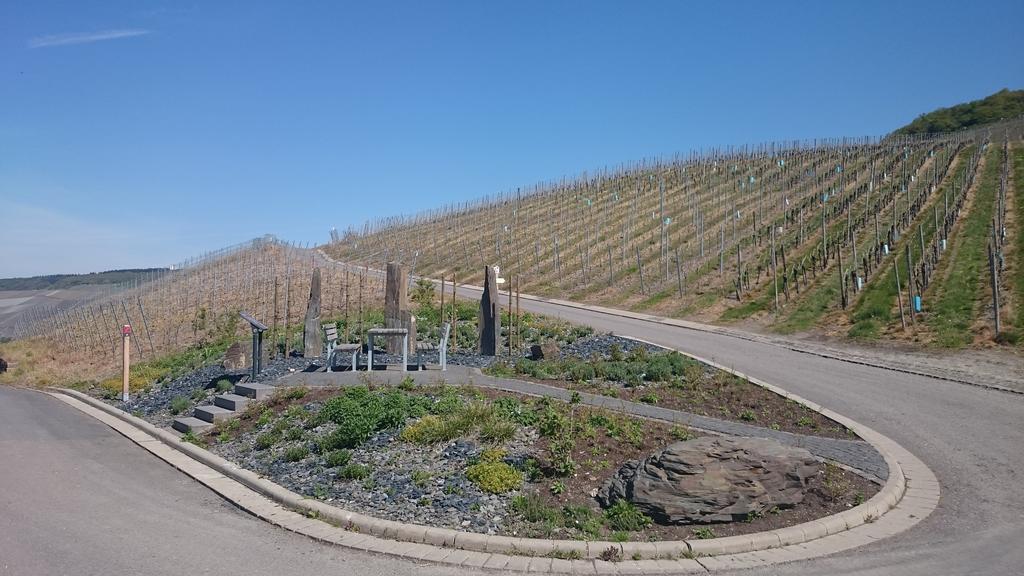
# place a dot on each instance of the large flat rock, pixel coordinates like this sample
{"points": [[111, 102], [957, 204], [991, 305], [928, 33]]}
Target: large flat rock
{"points": [[713, 479]]}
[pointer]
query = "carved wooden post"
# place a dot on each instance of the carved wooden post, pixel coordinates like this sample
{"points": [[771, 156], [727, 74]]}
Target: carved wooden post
{"points": [[312, 340], [396, 308], [490, 321]]}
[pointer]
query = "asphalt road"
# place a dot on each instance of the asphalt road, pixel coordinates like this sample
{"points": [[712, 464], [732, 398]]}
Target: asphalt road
{"points": [[76, 498]]}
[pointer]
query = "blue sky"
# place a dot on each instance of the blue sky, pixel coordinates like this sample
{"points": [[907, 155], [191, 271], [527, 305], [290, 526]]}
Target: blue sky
{"points": [[139, 133]]}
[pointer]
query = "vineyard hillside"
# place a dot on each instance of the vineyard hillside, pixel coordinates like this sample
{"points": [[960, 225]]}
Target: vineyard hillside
{"points": [[789, 236]]}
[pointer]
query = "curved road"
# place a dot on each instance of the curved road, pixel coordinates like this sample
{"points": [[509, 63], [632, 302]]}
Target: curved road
{"points": [[75, 497]]}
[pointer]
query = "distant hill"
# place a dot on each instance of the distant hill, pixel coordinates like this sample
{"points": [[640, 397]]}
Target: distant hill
{"points": [[1004, 104], [59, 281]]}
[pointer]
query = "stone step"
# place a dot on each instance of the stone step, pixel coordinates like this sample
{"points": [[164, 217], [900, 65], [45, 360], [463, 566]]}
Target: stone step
{"points": [[254, 391], [190, 424], [213, 414], [231, 401]]}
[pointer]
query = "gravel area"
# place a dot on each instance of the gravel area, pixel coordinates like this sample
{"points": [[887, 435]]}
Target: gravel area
{"points": [[407, 482], [199, 388]]}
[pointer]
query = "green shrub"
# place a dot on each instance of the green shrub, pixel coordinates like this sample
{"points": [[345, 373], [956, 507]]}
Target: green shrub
{"points": [[432, 429], [552, 422], [223, 385], [448, 402], [638, 354], [396, 407], [497, 430], [295, 453], [623, 516], [494, 477], [578, 371], [659, 369], [359, 412], [294, 434], [266, 440], [615, 353], [265, 417], [354, 472], [336, 458], [514, 410], [179, 404], [583, 519]]}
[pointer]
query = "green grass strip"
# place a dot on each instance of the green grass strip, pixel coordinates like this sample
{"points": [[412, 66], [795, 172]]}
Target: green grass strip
{"points": [[1017, 156], [958, 294]]}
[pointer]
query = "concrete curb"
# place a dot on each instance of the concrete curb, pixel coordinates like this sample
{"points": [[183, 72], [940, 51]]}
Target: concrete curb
{"points": [[854, 527]]}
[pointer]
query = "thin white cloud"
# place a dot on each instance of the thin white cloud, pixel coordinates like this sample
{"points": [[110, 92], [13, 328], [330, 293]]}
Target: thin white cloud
{"points": [[84, 37]]}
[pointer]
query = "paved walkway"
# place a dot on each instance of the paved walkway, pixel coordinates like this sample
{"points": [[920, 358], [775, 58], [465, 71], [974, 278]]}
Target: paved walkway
{"points": [[856, 454]]}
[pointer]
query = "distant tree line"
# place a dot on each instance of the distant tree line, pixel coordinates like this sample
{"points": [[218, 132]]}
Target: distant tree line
{"points": [[58, 281], [1005, 104]]}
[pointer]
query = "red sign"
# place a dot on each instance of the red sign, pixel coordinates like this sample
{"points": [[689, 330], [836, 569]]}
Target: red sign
{"points": [[126, 330]]}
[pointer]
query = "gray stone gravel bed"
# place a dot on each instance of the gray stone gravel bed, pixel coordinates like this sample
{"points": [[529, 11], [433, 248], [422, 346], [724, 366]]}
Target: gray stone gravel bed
{"points": [[438, 495]]}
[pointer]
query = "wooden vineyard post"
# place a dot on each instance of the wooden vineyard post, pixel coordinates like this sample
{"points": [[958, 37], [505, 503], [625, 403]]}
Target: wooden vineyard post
{"points": [[842, 277], [775, 276], [910, 285], [510, 313], [519, 318], [610, 280], [126, 350], [679, 273], [455, 318], [640, 270], [287, 301], [899, 293], [993, 267], [348, 323]]}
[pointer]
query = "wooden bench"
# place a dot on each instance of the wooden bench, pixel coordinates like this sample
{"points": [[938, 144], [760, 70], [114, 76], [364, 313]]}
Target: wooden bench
{"points": [[333, 348], [441, 347]]}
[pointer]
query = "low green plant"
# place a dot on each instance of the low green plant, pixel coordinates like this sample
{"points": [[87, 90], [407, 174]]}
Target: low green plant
{"points": [[650, 398], [179, 404], [354, 471], [192, 438], [296, 453], [624, 516], [748, 416], [337, 458], [680, 433], [266, 440], [223, 385], [265, 417], [835, 483], [703, 533], [497, 430], [421, 478], [558, 487], [532, 508], [494, 477]]}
